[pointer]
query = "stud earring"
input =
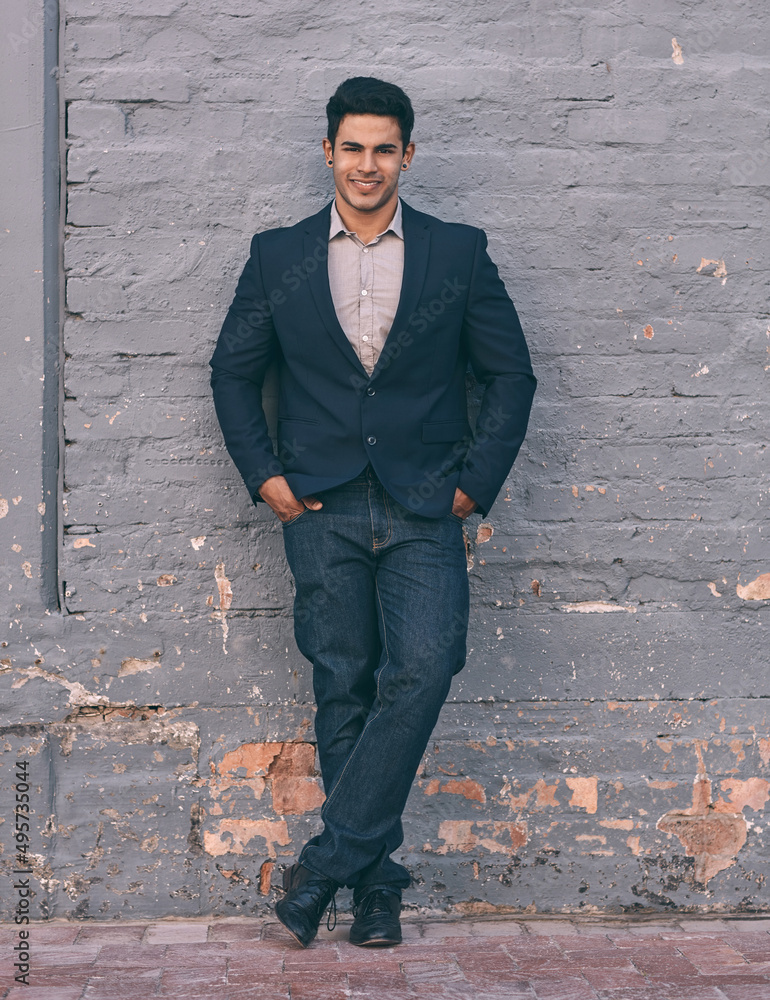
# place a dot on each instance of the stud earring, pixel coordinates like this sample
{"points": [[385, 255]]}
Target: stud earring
{"points": [[329, 162], [403, 166]]}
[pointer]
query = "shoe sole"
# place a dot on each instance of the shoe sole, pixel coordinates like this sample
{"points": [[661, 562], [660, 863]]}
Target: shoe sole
{"points": [[377, 942]]}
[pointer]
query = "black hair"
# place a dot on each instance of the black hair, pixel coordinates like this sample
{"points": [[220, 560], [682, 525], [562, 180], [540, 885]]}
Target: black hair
{"points": [[365, 95]]}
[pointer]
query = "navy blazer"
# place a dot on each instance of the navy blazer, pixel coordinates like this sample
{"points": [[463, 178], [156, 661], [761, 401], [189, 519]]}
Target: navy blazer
{"points": [[410, 417]]}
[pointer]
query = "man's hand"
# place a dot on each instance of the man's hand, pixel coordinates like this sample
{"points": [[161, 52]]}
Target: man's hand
{"points": [[463, 505], [277, 493]]}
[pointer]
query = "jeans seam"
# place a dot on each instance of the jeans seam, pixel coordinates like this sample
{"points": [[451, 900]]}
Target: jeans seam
{"points": [[390, 520], [337, 783]]}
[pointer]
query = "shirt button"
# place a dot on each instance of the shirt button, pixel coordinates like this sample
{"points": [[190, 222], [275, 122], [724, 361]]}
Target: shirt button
{"points": [[371, 439], [370, 391], [366, 250], [364, 337], [363, 291]]}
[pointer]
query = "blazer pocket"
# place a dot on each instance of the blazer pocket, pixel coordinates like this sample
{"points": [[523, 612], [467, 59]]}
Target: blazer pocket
{"points": [[297, 420], [444, 430]]}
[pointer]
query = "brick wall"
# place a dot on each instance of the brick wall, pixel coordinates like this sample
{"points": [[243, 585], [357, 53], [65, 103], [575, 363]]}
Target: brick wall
{"points": [[607, 747]]}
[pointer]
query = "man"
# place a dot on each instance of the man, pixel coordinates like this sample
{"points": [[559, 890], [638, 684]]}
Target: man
{"points": [[373, 311]]}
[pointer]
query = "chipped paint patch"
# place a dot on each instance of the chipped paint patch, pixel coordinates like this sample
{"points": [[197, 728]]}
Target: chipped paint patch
{"points": [[82, 543], [712, 837], [757, 590], [471, 790], [458, 835], [135, 666], [166, 580], [225, 600], [597, 607], [265, 876], [78, 695], [676, 54], [752, 793], [287, 769], [585, 793], [648, 332], [483, 533], [713, 588], [233, 836], [763, 745], [617, 824], [197, 542], [720, 269], [3, 507]]}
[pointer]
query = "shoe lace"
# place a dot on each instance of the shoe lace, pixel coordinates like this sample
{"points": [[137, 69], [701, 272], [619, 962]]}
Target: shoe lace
{"points": [[331, 916], [374, 902], [332, 912]]}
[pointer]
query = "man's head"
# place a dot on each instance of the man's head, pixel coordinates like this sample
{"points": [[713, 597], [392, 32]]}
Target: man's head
{"points": [[368, 142], [365, 95]]}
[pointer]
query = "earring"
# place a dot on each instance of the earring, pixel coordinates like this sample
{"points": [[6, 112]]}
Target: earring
{"points": [[403, 166], [329, 162]]}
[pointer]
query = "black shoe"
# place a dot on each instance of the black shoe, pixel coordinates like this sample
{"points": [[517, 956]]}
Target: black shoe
{"points": [[376, 922], [307, 896]]}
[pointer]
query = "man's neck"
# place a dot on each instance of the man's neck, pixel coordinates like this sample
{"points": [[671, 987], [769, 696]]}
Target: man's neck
{"points": [[367, 225]]}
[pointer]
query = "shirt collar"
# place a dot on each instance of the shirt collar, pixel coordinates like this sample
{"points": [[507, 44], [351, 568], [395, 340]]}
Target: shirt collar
{"points": [[337, 226]]}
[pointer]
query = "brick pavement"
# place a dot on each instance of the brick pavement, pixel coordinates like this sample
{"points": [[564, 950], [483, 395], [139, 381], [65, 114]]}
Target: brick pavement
{"points": [[538, 959]]}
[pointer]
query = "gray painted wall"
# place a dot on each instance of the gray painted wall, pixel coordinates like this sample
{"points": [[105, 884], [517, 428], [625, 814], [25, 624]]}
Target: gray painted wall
{"points": [[607, 747]]}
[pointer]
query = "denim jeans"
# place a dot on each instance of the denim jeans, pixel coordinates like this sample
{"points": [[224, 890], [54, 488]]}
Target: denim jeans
{"points": [[381, 611]]}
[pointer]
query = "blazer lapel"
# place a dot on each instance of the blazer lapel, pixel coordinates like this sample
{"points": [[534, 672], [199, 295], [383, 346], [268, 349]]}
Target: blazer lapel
{"points": [[416, 251], [316, 236]]}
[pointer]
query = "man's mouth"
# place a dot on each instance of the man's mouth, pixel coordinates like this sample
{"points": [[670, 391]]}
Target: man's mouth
{"points": [[364, 185]]}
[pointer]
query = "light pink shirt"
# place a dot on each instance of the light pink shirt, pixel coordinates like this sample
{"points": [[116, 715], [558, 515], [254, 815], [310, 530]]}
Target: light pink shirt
{"points": [[365, 282]]}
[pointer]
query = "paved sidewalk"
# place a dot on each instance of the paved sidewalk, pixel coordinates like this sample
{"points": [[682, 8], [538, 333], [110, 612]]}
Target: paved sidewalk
{"points": [[509, 959]]}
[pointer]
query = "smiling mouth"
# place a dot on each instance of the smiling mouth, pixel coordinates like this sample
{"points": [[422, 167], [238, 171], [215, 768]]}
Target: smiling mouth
{"points": [[366, 185]]}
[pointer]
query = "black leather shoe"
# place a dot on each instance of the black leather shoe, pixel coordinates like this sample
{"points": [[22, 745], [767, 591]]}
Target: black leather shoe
{"points": [[307, 896], [376, 913]]}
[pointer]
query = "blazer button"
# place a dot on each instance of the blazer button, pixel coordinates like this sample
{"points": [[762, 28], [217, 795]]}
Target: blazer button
{"points": [[371, 439], [370, 391]]}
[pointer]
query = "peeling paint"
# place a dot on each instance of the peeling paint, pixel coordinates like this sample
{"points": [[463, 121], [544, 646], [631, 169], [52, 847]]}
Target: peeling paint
{"points": [[676, 55], [757, 590], [166, 580], [467, 788], [712, 835], [720, 270], [648, 331], [458, 835], [135, 666], [483, 533], [197, 542], [233, 836], [82, 543], [225, 600], [585, 793], [78, 695], [3, 507]]}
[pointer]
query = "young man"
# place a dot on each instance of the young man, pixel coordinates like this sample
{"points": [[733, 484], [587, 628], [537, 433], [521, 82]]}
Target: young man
{"points": [[373, 311]]}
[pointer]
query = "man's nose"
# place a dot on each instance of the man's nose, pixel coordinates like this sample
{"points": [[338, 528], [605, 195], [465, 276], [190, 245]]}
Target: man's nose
{"points": [[368, 163]]}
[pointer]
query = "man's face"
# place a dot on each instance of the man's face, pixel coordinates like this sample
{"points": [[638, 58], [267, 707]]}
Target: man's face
{"points": [[367, 160]]}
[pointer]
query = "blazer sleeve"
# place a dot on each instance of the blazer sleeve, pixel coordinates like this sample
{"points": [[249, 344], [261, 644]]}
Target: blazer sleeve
{"points": [[247, 344], [498, 353]]}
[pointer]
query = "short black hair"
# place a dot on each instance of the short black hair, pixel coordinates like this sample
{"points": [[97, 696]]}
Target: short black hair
{"points": [[365, 95]]}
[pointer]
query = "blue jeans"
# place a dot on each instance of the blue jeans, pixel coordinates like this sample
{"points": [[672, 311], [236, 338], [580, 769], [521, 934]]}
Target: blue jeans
{"points": [[381, 611]]}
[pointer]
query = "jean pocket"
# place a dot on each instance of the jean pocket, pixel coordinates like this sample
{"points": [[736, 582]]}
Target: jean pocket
{"points": [[285, 524]]}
